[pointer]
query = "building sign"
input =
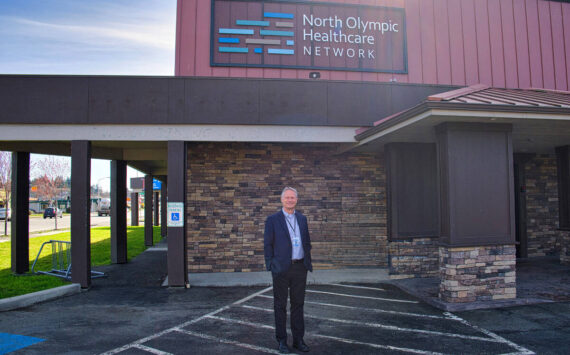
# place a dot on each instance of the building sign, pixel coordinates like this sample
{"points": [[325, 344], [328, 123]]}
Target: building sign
{"points": [[308, 35], [156, 185], [175, 212]]}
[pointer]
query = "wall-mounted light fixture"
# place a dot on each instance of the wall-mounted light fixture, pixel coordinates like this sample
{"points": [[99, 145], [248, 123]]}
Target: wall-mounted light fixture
{"points": [[314, 75]]}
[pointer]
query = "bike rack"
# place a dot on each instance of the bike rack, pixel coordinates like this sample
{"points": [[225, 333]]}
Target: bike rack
{"points": [[60, 260]]}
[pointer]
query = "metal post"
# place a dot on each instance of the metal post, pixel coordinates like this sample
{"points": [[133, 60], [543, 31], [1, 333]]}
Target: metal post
{"points": [[118, 211], [148, 210], [156, 210], [177, 265], [80, 213], [163, 202], [20, 207], [134, 209]]}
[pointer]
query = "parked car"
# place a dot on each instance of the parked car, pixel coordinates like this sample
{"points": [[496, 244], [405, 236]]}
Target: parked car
{"points": [[104, 207], [50, 213], [3, 213]]}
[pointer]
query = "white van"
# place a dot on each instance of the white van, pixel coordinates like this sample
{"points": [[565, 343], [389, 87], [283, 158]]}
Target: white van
{"points": [[104, 207]]}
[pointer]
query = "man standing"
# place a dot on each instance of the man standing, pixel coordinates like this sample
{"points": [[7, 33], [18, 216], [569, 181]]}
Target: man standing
{"points": [[287, 247]]}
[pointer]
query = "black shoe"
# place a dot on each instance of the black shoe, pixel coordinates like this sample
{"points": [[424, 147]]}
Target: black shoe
{"points": [[301, 346], [283, 348]]}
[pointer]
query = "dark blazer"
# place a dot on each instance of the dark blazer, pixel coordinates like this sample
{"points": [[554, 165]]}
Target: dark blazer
{"points": [[277, 243]]}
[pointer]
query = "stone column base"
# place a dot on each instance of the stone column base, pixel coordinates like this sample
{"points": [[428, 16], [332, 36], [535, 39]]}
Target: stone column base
{"points": [[483, 273], [415, 257], [565, 250]]}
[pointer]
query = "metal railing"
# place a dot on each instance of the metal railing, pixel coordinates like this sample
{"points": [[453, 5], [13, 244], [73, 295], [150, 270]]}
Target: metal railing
{"points": [[60, 260]]}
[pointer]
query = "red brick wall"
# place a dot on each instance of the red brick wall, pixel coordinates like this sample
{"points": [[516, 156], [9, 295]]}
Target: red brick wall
{"points": [[233, 187]]}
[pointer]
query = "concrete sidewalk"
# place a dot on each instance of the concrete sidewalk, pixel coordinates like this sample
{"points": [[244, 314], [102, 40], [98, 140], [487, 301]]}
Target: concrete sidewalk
{"points": [[263, 278], [539, 280]]}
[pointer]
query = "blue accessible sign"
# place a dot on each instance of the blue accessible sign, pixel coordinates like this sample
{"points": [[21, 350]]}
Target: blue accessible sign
{"points": [[175, 212]]}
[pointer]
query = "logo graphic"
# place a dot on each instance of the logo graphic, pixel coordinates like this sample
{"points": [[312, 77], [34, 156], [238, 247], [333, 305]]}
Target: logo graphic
{"points": [[301, 34], [268, 35], [175, 216]]}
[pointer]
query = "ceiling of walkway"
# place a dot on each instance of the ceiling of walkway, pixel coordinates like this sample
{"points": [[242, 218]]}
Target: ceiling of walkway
{"points": [[149, 157]]}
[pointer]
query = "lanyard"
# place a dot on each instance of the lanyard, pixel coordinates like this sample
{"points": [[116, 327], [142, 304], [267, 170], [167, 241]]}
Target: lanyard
{"points": [[294, 228]]}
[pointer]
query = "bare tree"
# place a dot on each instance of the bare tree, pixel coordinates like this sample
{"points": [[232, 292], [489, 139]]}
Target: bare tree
{"points": [[52, 173], [6, 183]]}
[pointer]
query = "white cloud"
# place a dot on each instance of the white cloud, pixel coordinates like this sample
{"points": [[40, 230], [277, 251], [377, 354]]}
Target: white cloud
{"points": [[97, 38], [156, 36]]}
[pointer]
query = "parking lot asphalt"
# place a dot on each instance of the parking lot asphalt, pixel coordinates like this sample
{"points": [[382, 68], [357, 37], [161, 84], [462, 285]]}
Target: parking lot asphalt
{"points": [[129, 313]]}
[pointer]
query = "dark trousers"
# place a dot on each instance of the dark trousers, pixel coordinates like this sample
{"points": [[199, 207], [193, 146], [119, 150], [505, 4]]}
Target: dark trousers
{"points": [[294, 280]]}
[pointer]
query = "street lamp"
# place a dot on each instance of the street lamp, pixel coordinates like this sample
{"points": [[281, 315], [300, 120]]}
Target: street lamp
{"points": [[98, 187]]}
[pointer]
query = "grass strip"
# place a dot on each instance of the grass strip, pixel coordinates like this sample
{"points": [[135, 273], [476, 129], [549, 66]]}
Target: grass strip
{"points": [[15, 285]]}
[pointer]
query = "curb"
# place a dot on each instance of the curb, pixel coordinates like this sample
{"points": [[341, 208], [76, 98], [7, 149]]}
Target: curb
{"points": [[461, 307], [263, 278], [11, 303]]}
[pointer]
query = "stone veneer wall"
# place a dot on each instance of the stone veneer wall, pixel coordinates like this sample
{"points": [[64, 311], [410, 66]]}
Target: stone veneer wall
{"points": [[233, 187], [414, 257], [565, 250], [542, 206], [471, 274]]}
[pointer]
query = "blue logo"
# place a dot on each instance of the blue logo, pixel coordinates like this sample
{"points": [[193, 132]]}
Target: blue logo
{"points": [[257, 35], [175, 216]]}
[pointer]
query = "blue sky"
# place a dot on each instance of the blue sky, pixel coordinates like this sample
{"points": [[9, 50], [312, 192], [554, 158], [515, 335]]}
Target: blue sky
{"points": [[103, 37]]}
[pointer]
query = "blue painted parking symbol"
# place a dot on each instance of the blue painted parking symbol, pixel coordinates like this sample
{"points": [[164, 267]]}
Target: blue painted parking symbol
{"points": [[175, 216]]}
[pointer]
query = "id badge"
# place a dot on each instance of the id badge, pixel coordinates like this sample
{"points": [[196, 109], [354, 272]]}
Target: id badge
{"points": [[296, 242]]}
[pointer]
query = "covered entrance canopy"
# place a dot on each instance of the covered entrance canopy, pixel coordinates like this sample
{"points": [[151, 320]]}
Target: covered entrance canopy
{"points": [[456, 174], [540, 118]]}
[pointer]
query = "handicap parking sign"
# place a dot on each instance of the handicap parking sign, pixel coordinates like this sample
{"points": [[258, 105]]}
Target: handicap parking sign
{"points": [[175, 214]]}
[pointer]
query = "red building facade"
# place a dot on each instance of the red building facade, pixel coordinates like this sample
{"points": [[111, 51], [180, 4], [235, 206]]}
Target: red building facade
{"points": [[500, 43]]}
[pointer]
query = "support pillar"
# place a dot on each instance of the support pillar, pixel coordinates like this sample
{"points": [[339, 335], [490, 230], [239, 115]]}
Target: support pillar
{"points": [[156, 210], [177, 264], [20, 206], [412, 206], [148, 210], [163, 209], [477, 243], [521, 237], [118, 211], [80, 213], [134, 209], [563, 167]]}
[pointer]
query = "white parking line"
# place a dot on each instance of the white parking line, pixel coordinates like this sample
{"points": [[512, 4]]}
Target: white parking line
{"points": [[185, 324], [228, 341], [360, 287], [520, 350], [374, 310], [387, 327], [492, 337], [365, 297], [148, 349], [344, 340]]}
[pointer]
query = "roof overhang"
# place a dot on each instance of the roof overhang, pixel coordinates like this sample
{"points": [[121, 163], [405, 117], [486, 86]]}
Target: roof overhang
{"points": [[144, 147], [537, 129]]}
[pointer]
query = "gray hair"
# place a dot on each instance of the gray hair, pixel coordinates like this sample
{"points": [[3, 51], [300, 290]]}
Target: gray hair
{"points": [[290, 189]]}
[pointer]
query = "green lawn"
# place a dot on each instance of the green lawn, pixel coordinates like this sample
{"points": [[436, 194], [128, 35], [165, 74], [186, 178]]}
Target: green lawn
{"points": [[14, 285]]}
